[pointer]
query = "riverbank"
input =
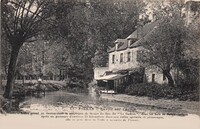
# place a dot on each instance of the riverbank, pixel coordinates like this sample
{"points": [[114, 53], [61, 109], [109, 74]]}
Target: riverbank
{"points": [[192, 107], [28, 88]]}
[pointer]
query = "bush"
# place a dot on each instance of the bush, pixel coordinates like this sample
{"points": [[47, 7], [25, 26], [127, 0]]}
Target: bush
{"points": [[156, 91], [121, 89], [78, 87], [78, 90], [144, 89]]}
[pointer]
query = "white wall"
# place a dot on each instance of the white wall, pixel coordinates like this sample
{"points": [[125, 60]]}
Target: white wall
{"points": [[134, 64], [149, 71], [124, 65], [158, 74]]}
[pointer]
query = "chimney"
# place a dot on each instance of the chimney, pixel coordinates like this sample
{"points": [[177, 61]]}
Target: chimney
{"points": [[116, 45], [129, 42]]}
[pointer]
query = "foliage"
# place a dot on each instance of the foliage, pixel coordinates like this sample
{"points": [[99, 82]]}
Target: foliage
{"points": [[171, 43], [78, 87], [5, 54], [87, 29], [193, 39], [21, 21], [157, 91], [111, 20], [169, 8], [121, 88], [165, 45]]}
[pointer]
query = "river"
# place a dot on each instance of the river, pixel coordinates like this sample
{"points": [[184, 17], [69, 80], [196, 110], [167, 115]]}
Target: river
{"points": [[59, 109], [83, 101]]}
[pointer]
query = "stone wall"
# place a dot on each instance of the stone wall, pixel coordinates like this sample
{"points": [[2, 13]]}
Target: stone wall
{"points": [[158, 75]]}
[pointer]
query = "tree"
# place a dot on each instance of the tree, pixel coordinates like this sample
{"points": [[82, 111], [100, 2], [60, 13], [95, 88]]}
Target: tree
{"points": [[90, 26], [193, 40], [21, 21], [5, 54], [111, 20], [163, 8], [164, 46], [172, 42], [72, 39]]}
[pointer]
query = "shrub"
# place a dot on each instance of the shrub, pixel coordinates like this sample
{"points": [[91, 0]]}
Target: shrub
{"points": [[78, 87], [121, 89], [156, 91], [143, 89]]}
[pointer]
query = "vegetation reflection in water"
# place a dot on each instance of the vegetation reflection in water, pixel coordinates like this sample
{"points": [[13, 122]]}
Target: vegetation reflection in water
{"points": [[64, 101]]}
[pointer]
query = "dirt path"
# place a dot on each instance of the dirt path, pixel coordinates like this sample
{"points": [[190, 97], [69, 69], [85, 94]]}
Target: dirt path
{"points": [[190, 107]]}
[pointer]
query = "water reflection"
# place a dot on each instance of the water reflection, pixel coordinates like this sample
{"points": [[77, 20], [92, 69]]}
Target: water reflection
{"points": [[66, 99], [55, 98]]}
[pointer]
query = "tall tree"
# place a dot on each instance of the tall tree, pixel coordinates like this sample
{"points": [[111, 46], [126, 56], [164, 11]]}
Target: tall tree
{"points": [[164, 46], [111, 20], [169, 8], [21, 21], [172, 41], [72, 26]]}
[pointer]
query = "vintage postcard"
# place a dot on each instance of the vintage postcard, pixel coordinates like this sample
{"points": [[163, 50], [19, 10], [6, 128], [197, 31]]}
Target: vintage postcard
{"points": [[105, 64]]}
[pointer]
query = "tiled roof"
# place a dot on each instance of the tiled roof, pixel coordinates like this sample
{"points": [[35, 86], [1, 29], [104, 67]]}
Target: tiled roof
{"points": [[111, 50], [136, 44], [145, 30], [123, 46], [120, 40], [144, 39]]}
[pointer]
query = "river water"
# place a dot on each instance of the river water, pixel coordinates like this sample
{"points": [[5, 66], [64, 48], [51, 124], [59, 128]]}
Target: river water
{"points": [[62, 110], [61, 100], [58, 98]]}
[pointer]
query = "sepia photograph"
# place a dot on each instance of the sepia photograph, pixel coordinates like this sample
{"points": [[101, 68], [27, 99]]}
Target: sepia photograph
{"points": [[103, 64]]}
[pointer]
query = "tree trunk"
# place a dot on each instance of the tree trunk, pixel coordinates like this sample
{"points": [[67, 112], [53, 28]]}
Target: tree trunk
{"points": [[169, 77], [60, 75], [11, 72]]}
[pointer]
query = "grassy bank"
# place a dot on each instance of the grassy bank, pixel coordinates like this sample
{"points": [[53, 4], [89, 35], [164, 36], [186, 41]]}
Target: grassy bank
{"points": [[49, 85], [157, 91], [21, 90], [30, 88]]}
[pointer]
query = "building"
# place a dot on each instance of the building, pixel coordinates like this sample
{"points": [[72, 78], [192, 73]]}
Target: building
{"points": [[124, 67]]}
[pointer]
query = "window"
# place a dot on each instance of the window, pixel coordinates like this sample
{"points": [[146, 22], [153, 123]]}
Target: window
{"points": [[130, 42], [128, 56], [113, 59], [121, 57]]}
